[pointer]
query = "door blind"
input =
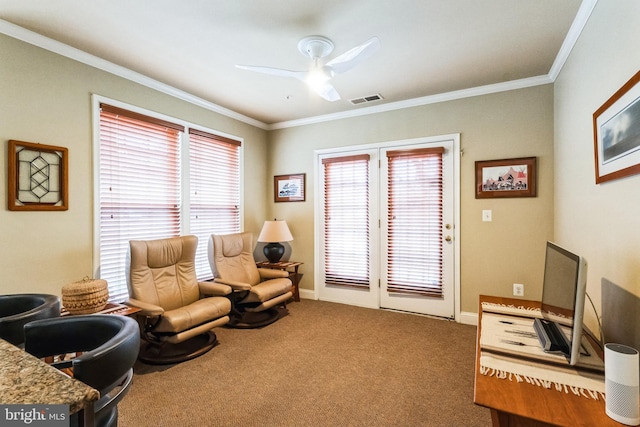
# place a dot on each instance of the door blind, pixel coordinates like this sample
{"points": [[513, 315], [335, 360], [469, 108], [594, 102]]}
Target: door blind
{"points": [[346, 221], [415, 216], [139, 174], [215, 191]]}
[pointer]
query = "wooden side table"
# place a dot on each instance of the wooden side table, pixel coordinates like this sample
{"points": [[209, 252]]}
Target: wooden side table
{"points": [[521, 404], [111, 308], [289, 266]]}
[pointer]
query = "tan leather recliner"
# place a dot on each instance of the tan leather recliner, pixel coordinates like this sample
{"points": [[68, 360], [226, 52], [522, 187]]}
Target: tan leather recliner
{"points": [[256, 291], [175, 308]]}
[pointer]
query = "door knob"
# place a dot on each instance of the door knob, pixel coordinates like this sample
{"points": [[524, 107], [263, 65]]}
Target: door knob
{"points": [[448, 238]]}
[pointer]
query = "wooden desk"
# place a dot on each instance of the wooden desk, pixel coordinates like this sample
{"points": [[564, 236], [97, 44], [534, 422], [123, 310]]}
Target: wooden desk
{"points": [[27, 380], [287, 266], [516, 404]]}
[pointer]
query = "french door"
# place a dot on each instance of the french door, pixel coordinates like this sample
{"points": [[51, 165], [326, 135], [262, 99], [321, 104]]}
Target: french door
{"points": [[349, 228], [417, 244], [387, 226]]}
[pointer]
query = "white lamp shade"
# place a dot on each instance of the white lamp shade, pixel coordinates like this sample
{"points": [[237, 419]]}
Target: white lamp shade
{"points": [[275, 231]]}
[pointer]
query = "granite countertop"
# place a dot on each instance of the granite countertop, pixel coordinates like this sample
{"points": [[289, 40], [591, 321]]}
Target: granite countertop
{"points": [[26, 379]]}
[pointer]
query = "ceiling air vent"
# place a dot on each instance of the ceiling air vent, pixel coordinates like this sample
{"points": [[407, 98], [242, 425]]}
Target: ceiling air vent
{"points": [[364, 99]]}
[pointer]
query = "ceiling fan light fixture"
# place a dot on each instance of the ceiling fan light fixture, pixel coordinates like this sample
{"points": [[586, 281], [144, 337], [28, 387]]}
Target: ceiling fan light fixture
{"points": [[317, 78]]}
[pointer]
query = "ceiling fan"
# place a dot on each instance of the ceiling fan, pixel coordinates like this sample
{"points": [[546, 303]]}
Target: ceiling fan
{"points": [[318, 78]]}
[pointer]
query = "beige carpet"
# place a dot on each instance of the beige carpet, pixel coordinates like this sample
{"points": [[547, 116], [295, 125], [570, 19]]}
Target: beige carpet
{"points": [[324, 364]]}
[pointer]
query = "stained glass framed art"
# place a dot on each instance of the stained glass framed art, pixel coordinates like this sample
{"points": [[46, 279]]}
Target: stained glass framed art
{"points": [[38, 177]]}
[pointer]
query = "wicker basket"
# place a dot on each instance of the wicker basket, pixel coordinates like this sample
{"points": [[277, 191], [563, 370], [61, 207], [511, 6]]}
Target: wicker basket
{"points": [[86, 296]]}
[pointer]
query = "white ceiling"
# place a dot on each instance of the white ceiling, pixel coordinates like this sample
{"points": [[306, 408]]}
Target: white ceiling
{"points": [[428, 47]]}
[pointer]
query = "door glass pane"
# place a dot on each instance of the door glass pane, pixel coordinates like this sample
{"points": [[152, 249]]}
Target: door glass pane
{"points": [[414, 212], [346, 219]]}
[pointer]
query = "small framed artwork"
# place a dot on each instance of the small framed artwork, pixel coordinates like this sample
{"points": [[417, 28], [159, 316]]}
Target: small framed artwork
{"points": [[616, 130], [38, 177], [506, 178], [289, 188]]}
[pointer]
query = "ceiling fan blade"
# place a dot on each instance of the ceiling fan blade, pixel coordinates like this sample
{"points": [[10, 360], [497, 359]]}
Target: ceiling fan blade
{"points": [[300, 75], [328, 92], [353, 57]]}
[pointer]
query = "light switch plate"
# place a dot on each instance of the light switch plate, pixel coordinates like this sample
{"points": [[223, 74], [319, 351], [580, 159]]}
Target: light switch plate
{"points": [[486, 216]]}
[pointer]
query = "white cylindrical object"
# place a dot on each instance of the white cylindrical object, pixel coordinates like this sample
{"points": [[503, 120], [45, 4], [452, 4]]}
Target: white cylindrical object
{"points": [[622, 383]]}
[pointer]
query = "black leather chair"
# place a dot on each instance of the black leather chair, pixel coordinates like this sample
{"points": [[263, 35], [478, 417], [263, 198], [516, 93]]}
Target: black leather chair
{"points": [[19, 309], [107, 347]]}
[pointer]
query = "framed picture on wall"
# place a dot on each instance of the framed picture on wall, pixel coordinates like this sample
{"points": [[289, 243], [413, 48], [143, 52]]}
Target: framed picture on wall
{"points": [[616, 130], [506, 178], [289, 188], [37, 177]]}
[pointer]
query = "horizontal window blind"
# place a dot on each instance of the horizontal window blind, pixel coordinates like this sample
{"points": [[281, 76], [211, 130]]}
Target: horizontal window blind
{"points": [[414, 251], [139, 173], [346, 221], [215, 191]]}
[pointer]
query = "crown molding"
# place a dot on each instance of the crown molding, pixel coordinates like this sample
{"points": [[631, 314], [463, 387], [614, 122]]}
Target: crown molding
{"points": [[580, 21], [46, 43], [416, 102], [584, 12]]}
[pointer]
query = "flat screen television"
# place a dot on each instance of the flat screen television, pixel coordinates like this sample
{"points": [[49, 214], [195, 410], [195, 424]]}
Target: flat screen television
{"points": [[563, 298]]}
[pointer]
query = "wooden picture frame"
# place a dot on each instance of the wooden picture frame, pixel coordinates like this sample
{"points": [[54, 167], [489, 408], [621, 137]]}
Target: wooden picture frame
{"points": [[616, 133], [506, 178], [289, 188], [37, 177]]}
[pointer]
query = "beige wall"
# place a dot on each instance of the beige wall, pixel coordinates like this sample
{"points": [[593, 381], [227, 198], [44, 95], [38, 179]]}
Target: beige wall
{"points": [[602, 222], [46, 98], [504, 125]]}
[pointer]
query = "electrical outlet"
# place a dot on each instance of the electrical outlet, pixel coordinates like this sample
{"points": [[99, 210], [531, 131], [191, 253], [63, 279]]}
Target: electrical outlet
{"points": [[518, 289]]}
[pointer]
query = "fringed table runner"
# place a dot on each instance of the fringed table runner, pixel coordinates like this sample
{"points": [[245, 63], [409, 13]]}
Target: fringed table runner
{"points": [[510, 350], [580, 383]]}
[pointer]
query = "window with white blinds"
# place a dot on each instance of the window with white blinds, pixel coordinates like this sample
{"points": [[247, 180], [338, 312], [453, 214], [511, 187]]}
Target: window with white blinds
{"points": [[140, 196], [346, 221], [215, 191], [415, 217], [140, 176]]}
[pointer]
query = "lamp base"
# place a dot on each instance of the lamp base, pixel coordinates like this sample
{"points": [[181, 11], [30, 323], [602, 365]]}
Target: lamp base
{"points": [[273, 252]]}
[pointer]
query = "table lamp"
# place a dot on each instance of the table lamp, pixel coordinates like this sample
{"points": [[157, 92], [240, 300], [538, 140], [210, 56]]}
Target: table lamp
{"points": [[274, 232]]}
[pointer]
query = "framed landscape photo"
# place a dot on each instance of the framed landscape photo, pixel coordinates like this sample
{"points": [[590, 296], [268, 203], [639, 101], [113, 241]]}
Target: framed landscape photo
{"points": [[289, 188], [37, 177], [616, 130], [506, 178]]}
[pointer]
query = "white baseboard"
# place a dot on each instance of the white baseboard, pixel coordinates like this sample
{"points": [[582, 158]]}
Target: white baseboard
{"points": [[469, 318], [307, 294]]}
